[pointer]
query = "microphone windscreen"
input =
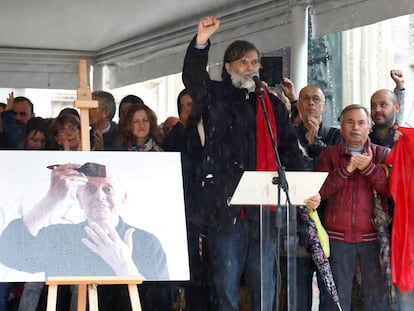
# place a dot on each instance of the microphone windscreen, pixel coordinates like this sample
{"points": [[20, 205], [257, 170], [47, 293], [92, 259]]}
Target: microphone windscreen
{"points": [[254, 74]]}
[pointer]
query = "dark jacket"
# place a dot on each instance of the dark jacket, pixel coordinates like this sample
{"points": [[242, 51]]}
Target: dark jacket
{"points": [[326, 136], [186, 140], [387, 141], [229, 117], [348, 196], [109, 138], [12, 137]]}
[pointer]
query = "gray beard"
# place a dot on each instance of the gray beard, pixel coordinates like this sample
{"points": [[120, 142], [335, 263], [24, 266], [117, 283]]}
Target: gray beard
{"points": [[242, 83]]}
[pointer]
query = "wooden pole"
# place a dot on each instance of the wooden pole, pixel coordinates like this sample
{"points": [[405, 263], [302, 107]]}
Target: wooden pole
{"points": [[84, 102]]}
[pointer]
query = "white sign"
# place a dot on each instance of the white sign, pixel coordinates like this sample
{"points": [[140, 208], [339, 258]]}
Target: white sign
{"points": [[112, 207]]}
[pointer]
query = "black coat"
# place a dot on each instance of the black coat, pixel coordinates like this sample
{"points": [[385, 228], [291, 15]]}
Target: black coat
{"points": [[229, 118]]}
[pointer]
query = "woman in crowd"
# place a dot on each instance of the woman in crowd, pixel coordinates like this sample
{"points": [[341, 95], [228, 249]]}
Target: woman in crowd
{"points": [[138, 130], [65, 131], [36, 134]]}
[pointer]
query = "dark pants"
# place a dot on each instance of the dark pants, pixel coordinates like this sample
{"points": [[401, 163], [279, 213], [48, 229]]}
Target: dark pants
{"points": [[4, 293], [200, 292], [154, 296], [305, 269], [233, 252], [343, 258]]}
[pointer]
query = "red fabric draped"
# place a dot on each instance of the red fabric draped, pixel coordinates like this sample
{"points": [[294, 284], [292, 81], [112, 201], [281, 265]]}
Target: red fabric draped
{"points": [[401, 158], [265, 155]]}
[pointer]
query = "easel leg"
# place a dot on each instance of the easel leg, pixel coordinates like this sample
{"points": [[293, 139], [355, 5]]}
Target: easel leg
{"points": [[134, 297], [93, 297], [83, 283], [81, 297], [51, 298]]}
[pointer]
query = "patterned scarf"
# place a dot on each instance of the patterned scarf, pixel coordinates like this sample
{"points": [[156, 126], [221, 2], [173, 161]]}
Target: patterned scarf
{"points": [[149, 145]]}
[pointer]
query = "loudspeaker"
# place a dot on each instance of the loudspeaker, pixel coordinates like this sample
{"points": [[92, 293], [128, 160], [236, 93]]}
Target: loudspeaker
{"points": [[272, 70]]}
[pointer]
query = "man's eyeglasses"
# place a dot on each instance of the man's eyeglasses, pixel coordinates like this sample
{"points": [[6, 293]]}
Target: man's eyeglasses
{"points": [[65, 131], [315, 99]]}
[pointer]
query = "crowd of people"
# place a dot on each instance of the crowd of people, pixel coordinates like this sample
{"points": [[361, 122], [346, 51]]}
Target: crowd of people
{"points": [[223, 129]]}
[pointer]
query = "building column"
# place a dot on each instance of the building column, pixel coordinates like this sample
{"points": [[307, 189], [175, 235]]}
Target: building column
{"points": [[99, 76], [299, 49]]}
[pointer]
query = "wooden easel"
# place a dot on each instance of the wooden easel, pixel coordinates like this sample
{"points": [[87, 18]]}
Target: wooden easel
{"points": [[84, 102], [91, 283]]}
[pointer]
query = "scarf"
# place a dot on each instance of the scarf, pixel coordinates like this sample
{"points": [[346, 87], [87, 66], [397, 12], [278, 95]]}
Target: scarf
{"points": [[149, 145], [265, 155]]}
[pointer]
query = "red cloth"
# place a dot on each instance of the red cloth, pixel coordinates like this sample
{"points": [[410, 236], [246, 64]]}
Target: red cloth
{"points": [[265, 155], [401, 158]]}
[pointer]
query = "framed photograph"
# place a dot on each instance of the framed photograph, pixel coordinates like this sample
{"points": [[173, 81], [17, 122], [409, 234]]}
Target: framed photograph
{"points": [[92, 214]]}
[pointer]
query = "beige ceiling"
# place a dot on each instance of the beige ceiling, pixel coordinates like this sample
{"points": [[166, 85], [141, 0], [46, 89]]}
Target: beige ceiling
{"points": [[91, 25], [42, 41]]}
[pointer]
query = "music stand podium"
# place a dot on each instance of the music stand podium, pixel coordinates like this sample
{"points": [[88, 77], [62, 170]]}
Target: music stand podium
{"points": [[257, 188]]}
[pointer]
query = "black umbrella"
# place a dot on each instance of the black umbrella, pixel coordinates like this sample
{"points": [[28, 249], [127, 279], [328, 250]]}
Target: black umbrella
{"points": [[319, 257], [381, 222]]}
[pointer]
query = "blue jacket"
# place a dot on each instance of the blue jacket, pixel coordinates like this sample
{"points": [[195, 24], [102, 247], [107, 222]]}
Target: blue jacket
{"points": [[13, 132]]}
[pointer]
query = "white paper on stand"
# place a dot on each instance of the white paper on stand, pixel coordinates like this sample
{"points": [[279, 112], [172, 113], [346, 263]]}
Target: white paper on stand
{"points": [[256, 187]]}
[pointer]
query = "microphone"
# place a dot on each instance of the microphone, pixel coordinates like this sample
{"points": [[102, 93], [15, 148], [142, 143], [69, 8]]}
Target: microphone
{"points": [[255, 77]]}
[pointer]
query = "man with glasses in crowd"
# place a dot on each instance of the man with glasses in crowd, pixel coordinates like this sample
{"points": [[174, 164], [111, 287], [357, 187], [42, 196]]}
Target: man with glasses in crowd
{"points": [[313, 136]]}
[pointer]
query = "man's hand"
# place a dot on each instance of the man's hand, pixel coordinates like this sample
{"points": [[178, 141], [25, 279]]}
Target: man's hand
{"points": [[117, 253], [286, 100], [312, 125], [397, 134], [64, 179], [350, 167], [398, 78], [98, 141], [10, 101], [288, 88], [361, 161], [313, 202], [206, 27]]}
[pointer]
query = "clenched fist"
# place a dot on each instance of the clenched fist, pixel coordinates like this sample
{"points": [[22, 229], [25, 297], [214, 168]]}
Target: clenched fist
{"points": [[206, 27]]}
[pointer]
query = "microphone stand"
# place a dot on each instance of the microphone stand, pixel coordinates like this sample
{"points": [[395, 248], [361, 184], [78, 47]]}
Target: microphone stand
{"points": [[282, 184]]}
